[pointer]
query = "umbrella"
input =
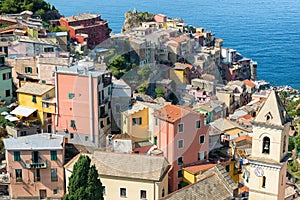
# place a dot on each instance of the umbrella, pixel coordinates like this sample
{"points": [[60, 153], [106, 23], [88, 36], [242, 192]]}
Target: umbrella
{"points": [[4, 113], [13, 119], [8, 116]]}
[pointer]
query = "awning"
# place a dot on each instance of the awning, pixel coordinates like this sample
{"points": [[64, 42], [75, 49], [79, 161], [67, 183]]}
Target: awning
{"points": [[23, 111]]}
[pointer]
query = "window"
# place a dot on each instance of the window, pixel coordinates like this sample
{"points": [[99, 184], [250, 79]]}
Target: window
{"points": [[179, 173], [122, 192], [263, 182], [71, 95], [284, 144], [202, 155], [156, 122], [48, 49], [86, 138], [180, 144], [73, 125], [37, 175], [54, 177], [103, 190], [45, 105], [28, 70], [109, 105], [34, 114], [202, 139], [180, 161], [18, 175], [55, 191], [227, 168], [23, 133], [108, 121], [198, 124], [155, 140], [44, 81], [137, 121], [163, 192], [6, 76], [71, 135], [180, 127], [53, 155], [266, 145], [17, 156], [109, 90], [33, 98], [143, 194], [37, 70]]}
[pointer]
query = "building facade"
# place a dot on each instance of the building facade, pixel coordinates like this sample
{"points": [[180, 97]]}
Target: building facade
{"points": [[6, 82], [181, 134], [83, 97], [268, 161], [90, 24], [35, 166]]}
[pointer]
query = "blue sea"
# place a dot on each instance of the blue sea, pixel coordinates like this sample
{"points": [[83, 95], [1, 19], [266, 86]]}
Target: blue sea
{"points": [[268, 31]]}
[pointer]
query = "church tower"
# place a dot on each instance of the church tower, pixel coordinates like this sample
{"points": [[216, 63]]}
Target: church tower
{"points": [[268, 161]]}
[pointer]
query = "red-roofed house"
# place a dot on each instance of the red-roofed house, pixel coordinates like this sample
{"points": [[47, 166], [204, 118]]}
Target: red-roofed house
{"points": [[182, 136], [190, 173]]}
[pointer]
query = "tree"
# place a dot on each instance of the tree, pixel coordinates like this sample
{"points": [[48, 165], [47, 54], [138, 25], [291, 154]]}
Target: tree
{"points": [[144, 72], [83, 179], [297, 142], [159, 92], [291, 144]]}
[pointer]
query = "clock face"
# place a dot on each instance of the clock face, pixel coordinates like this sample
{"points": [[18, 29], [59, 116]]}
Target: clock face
{"points": [[259, 172]]}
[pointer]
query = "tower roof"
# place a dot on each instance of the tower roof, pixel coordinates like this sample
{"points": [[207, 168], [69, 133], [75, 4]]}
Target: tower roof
{"points": [[273, 111]]}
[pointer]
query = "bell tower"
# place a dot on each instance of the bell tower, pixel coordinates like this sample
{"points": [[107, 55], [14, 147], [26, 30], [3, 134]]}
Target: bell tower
{"points": [[268, 161]]}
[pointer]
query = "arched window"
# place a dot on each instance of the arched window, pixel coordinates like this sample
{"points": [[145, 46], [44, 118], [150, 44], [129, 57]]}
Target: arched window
{"points": [[266, 145], [284, 144]]}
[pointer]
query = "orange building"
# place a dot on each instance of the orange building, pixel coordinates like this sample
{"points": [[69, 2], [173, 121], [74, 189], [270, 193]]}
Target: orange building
{"points": [[181, 134]]}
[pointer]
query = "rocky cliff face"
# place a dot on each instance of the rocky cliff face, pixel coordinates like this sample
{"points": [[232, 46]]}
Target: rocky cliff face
{"points": [[134, 19]]}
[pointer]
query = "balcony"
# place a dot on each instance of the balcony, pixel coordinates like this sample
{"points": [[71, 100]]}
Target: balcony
{"points": [[35, 165]]}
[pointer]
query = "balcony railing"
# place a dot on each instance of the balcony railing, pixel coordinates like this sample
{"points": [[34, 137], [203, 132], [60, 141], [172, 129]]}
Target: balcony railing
{"points": [[36, 165]]}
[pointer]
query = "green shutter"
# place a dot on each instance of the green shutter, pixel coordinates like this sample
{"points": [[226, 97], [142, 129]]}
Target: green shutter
{"points": [[73, 125], [71, 95], [53, 155], [17, 156]]}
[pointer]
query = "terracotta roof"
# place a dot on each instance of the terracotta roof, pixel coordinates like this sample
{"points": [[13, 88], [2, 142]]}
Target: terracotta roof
{"points": [[245, 117], [172, 113], [244, 137], [35, 88], [142, 150], [197, 168], [173, 44], [179, 39], [249, 83]]}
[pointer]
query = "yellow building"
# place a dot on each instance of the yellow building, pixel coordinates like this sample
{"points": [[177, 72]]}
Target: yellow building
{"points": [[36, 101], [128, 176], [135, 122], [190, 173], [180, 74]]}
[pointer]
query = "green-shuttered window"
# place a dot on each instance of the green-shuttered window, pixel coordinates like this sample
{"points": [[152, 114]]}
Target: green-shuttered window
{"points": [[53, 155], [17, 156]]}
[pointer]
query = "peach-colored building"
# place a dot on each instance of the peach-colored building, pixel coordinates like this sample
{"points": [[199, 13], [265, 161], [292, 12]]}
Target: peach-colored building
{"points": [[35, 166], [181, 134], [83, 104]]}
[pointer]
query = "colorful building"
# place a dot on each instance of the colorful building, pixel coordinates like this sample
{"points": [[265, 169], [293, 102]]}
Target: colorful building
{"points": [[35, 166], [83, 96], [37, 102], [180, 74], [181, 134], [90, 24], [129, 176], [6, 83]]}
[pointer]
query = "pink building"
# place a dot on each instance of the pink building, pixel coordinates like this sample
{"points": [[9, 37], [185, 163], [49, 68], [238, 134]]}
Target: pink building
{"points": [[181, 134], [160, 18], [83, 104], [35, 166]]}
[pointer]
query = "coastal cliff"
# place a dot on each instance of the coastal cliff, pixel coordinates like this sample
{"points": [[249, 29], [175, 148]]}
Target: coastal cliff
{"points": [[134, 19]]}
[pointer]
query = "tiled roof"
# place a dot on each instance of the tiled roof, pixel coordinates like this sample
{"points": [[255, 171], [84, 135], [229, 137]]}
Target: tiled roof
{"points": [[172, 113], [35, 142], [35, 88], [131, 165], [180, 66], [179, 39], [249, 83], [197, 168], [83, 16], [225, 124], [273, 111], [243, 137], [137, 107], [213, 184]]}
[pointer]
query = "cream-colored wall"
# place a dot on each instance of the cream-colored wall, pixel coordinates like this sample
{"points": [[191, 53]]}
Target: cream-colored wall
{"points": [[275, 184], [133, 188], [276, 144]]}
